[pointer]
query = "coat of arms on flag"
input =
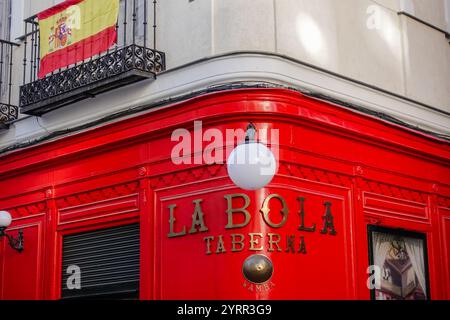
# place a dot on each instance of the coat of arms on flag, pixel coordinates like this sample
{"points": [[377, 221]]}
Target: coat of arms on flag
{"points": [[60, 34], [75, 30]]}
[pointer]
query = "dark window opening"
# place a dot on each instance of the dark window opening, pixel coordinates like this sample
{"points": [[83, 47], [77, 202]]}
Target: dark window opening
{"points": [[101, 264]]}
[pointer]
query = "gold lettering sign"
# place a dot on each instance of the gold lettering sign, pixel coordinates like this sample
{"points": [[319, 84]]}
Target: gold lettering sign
{"points": [[243, 210], [254, 241], [265, 211], [172, 220], [197, 218]]}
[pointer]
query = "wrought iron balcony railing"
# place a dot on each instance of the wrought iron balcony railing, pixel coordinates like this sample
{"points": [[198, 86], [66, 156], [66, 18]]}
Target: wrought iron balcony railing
{"points": [[8, 110], [133, 58]]}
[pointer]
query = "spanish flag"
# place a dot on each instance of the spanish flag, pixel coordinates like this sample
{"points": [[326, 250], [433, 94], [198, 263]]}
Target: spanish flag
{"points": [[75, 30]]}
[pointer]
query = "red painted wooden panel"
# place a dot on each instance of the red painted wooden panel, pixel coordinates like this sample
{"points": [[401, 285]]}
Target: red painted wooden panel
{"points": [[95, 210], [22, 273], [445, 221], [186, 271], [396, 207]]}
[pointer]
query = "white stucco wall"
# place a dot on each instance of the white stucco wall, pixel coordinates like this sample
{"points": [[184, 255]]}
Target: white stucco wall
{"points": [[431, 11], [244, 25], [426, 64], [335, 35], [362, 39], [184, 30]]}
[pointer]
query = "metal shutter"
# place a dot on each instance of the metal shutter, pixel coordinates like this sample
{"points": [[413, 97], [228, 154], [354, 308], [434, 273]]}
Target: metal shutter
{"points": [[108, 260]]}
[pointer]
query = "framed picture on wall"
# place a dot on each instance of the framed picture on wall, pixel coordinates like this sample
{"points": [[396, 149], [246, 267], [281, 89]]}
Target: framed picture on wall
{"points": [[400, 263]]}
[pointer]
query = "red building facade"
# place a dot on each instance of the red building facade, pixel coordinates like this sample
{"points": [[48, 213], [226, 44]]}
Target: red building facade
{"points": [[197, 228]]}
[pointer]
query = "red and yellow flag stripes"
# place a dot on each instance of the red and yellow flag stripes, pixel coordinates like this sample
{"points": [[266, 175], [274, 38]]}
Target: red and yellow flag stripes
{"points": [[75, 30]]}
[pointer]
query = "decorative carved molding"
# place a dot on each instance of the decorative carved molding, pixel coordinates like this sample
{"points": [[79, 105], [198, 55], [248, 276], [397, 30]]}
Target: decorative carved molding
{"points": [[98, 195], [188, 176], [443, 202], [28, 210], [359, 171], [205, 172], [314, 174], [142, 171], [49, 193], [393, 191], [372, 220]]}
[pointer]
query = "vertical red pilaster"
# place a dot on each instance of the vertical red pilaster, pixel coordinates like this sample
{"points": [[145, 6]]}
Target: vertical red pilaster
{"points": [[147, 227], [360, 232], [436, 269], [51, 257]]}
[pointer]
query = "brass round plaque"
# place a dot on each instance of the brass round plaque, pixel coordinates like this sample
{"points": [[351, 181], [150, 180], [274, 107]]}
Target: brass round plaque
{"points": [[257, 268]]}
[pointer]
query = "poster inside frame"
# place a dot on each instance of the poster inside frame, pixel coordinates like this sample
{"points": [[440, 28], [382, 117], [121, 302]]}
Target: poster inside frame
{"points": [[400, 263]]}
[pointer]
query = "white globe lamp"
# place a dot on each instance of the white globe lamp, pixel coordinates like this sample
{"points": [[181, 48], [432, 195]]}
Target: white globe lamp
{"points": [[251, 165], [5, 219]]}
